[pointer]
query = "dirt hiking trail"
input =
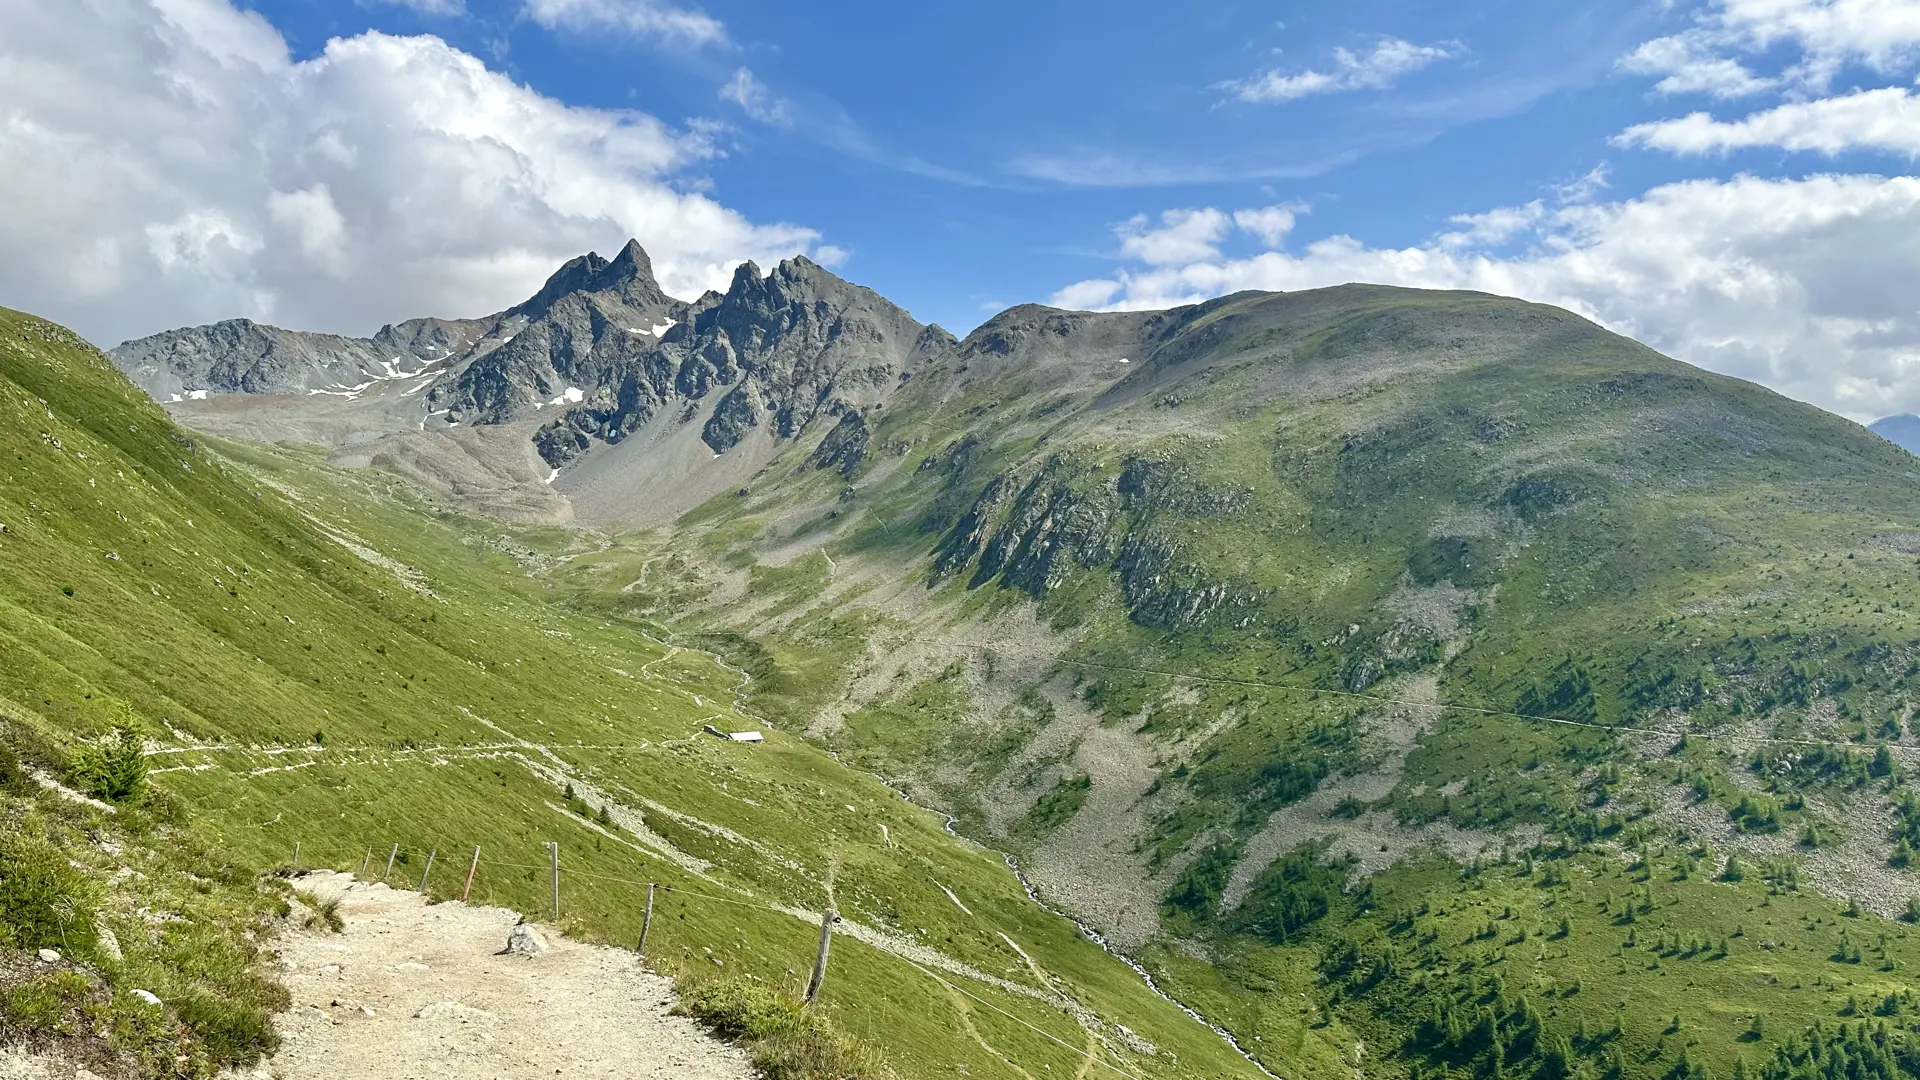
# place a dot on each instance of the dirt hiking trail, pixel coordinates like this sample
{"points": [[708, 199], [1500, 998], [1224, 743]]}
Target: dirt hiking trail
{"points": [[412, 991]]}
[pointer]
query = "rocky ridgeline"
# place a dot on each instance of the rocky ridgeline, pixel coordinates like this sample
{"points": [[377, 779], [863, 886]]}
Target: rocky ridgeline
{"points": [[239, 356], [780, 351]]}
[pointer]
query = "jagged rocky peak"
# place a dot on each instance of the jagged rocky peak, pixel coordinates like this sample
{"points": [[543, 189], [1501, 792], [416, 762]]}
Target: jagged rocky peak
{"points": [[629, 277], [773, 354]]}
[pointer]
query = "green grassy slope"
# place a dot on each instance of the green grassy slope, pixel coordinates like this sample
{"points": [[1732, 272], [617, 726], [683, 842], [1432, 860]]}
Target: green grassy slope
{"points": [[1444, 556], [322, 659]]}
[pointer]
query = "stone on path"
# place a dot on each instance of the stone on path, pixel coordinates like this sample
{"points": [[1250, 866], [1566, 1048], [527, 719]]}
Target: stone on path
{"points": [[526, 941]]}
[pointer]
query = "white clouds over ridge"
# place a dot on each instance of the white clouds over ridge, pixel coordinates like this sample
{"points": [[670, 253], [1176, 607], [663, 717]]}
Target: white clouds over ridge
{"points": [[166, 162], [1805, 285], [1809, 284]]}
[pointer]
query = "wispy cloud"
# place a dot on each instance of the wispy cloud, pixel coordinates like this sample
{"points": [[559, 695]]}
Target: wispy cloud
{"points": [[1099, 168], [1389, 60], [641, 18], [426, 7], [755, 99]]}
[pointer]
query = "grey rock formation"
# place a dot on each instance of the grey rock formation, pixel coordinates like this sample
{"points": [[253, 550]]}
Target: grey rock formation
{"points": [[582, 330], [239, 356], [526, 941], [779, 352]]}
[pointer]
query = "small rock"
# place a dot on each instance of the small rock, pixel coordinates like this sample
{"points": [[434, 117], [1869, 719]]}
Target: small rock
{"points": [[365, 1011], [48, 956], [331, 971], [145, 996], [526, 941], [453, 1010], [109, 944]]}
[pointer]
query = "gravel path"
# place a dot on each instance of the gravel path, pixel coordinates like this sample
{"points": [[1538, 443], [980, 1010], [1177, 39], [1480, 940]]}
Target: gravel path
{"points": [[412, 991]]}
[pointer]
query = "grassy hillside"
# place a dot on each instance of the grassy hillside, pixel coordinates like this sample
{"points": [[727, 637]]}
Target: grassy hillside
{"points": [[322, 659], [1430, 680]]}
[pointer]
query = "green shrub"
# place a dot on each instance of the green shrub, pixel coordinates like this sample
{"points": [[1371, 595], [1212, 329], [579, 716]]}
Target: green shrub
{"points": [[113, 767], [788, 1040], [44, 902]]}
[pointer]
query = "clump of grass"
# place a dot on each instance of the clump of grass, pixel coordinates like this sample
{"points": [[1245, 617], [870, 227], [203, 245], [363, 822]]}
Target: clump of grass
{"points": [[323, 913], [44, 902], [788, 1040]]}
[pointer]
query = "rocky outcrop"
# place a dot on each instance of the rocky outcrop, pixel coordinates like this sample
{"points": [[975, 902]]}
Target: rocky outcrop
{"points": [[845, 447], [1031, 536]]}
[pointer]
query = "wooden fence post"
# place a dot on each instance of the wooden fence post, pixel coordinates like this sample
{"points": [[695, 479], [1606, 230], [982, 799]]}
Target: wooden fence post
{"points": [[646, 923], [423, 874], [391, 855], [471, 867], [827, 919], [362, 875], [553, 852], [296, 858]]}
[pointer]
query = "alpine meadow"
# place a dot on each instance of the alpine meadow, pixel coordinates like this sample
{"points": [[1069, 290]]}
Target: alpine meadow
{"points": [[1383, 573]]}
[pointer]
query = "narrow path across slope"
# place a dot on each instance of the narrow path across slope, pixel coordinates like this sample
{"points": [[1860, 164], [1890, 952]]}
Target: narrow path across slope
{"points": [[412, 990]]}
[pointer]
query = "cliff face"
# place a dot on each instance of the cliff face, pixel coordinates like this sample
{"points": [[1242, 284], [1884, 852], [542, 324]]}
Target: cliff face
{"points": [[774, 352]]}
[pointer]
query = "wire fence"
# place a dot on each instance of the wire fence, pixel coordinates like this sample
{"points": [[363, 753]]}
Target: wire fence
{"points": [[378, 868]]}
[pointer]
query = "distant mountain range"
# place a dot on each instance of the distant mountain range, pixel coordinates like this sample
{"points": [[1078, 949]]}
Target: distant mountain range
{"points": [[1902, 430], [598, 356]]}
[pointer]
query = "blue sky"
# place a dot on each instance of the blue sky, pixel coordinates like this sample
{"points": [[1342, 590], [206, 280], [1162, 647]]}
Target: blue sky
{"points": [[1729, 180], [972, 156]]}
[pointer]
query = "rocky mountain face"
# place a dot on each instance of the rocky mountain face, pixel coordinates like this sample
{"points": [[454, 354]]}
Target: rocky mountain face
{"points": [[582, 329], [601, 348], [239, 356], [775, 352]]}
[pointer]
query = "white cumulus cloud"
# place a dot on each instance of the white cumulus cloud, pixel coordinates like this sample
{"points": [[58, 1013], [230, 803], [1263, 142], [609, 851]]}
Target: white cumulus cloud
{"points": [[1270, 223], [1382, 66], [1828, 35], [166, 162], [1686, 66], [1182, 236], [1884, 119], [1806, 285]]}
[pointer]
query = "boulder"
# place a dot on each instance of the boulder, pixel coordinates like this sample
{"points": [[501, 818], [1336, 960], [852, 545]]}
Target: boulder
{"points": [[526, 941]]}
